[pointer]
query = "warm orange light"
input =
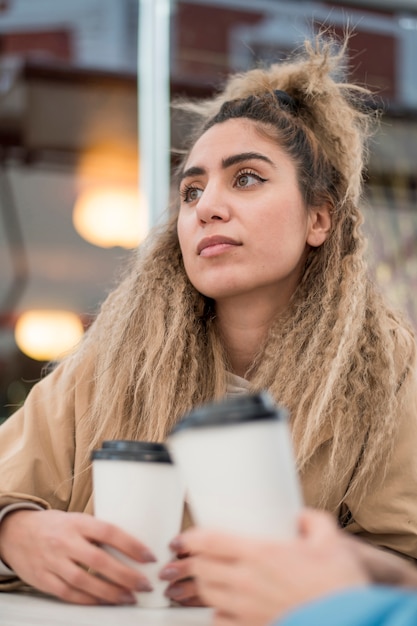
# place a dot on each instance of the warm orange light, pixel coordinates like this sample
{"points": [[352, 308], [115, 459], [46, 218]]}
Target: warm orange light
{"points": [[47, 335], [115, 162], [110, 216]]}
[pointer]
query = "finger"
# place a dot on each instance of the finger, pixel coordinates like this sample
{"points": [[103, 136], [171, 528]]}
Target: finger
{"points": [[183, 555], [195, 601], [182, 591], [56, 586], [223, 600], [224, 619], [78, 579], [105, 533], [382, 566], [212, 572], [211, 595], [216, 582], [217, 544], [317, 526], [176, 570], [227, 588], [109, 567]]}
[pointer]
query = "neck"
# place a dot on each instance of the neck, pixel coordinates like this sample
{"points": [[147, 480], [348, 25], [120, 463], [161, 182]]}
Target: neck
{"points": [[244, 327]]}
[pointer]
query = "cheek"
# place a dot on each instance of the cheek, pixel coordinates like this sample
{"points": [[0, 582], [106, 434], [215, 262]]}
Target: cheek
{"points": [[282, 222], [285, 235], [293, 221]]}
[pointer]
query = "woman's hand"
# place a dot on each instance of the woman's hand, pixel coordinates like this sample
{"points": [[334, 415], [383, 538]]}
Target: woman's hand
{"points": [[60, 553], [182, 585], [251, 582], [383, 567]]}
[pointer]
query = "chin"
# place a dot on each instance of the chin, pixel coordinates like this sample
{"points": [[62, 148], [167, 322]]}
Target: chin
{"points": [[219, 286]]}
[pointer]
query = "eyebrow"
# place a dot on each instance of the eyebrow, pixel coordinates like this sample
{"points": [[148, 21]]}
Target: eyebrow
{"points": [[227, 162]]}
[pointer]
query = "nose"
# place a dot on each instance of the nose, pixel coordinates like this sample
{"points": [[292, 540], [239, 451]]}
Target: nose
{"points": [[212, 205]]}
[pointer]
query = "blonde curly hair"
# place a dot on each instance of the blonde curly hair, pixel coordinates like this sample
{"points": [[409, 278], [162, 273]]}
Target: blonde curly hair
{"points": [[338, 356]]}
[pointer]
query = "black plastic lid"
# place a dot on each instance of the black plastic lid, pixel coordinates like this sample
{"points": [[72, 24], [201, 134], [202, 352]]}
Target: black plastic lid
{"points": [[132, 453], [234, 410], [133, 445]]}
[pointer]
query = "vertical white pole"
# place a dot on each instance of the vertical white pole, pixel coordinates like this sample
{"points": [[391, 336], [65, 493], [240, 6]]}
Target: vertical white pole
{"points": [[153, 102]]}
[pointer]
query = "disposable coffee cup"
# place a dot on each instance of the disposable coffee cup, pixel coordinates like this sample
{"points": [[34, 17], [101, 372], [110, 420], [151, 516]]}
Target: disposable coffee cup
{"points": [[237, 462], [138, 488]]}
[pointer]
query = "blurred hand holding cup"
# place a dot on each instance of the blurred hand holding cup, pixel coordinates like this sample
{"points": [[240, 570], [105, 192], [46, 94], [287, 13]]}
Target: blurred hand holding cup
{"points": [[139, 489], [237, 463]]}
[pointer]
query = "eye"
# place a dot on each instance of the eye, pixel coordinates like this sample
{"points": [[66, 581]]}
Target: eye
{"points": [[248, 179], [190, 193]]}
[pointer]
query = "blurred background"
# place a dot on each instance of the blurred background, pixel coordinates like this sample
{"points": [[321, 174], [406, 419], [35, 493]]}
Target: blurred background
{"points": [[70, 207]]}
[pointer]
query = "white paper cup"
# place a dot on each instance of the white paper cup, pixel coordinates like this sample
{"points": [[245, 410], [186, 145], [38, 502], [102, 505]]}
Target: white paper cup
{"points": [[237, 463], [139, 489]]}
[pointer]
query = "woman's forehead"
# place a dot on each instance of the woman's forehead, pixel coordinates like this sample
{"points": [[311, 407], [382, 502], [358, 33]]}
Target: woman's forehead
{"points": [[234, 136]]}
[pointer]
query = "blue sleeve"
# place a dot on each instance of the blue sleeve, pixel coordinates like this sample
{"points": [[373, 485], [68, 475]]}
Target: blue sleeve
{"points": [[365, 606]]}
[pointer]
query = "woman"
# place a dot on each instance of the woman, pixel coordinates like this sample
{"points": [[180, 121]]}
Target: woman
{"points": [[258, 281]]}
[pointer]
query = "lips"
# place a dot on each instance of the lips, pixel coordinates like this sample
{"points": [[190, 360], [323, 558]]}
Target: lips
{"points": [[215, 240]]}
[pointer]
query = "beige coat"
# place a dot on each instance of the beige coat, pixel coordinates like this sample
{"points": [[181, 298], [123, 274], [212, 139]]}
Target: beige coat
{"points": [[44, 445]]}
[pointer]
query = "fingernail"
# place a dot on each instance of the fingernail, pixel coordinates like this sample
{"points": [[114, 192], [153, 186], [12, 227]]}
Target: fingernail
{"points": [[127, 598], [144, 585], [168, 573], [147, 557], [174, 592], [177, 544]]}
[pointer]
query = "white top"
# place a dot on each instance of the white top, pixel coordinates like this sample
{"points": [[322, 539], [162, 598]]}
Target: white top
{"points": [[236, 385]]}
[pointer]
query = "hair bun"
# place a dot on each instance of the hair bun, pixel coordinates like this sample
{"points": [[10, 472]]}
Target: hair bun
{"points": [[286, 100]]}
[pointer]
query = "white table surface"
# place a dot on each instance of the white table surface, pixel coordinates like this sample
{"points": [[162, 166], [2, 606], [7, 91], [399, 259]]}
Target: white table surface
{"points": [[33, 609]]}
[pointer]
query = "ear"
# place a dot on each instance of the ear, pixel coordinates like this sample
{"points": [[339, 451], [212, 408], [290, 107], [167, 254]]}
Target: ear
{"points": [[320, 224]]}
